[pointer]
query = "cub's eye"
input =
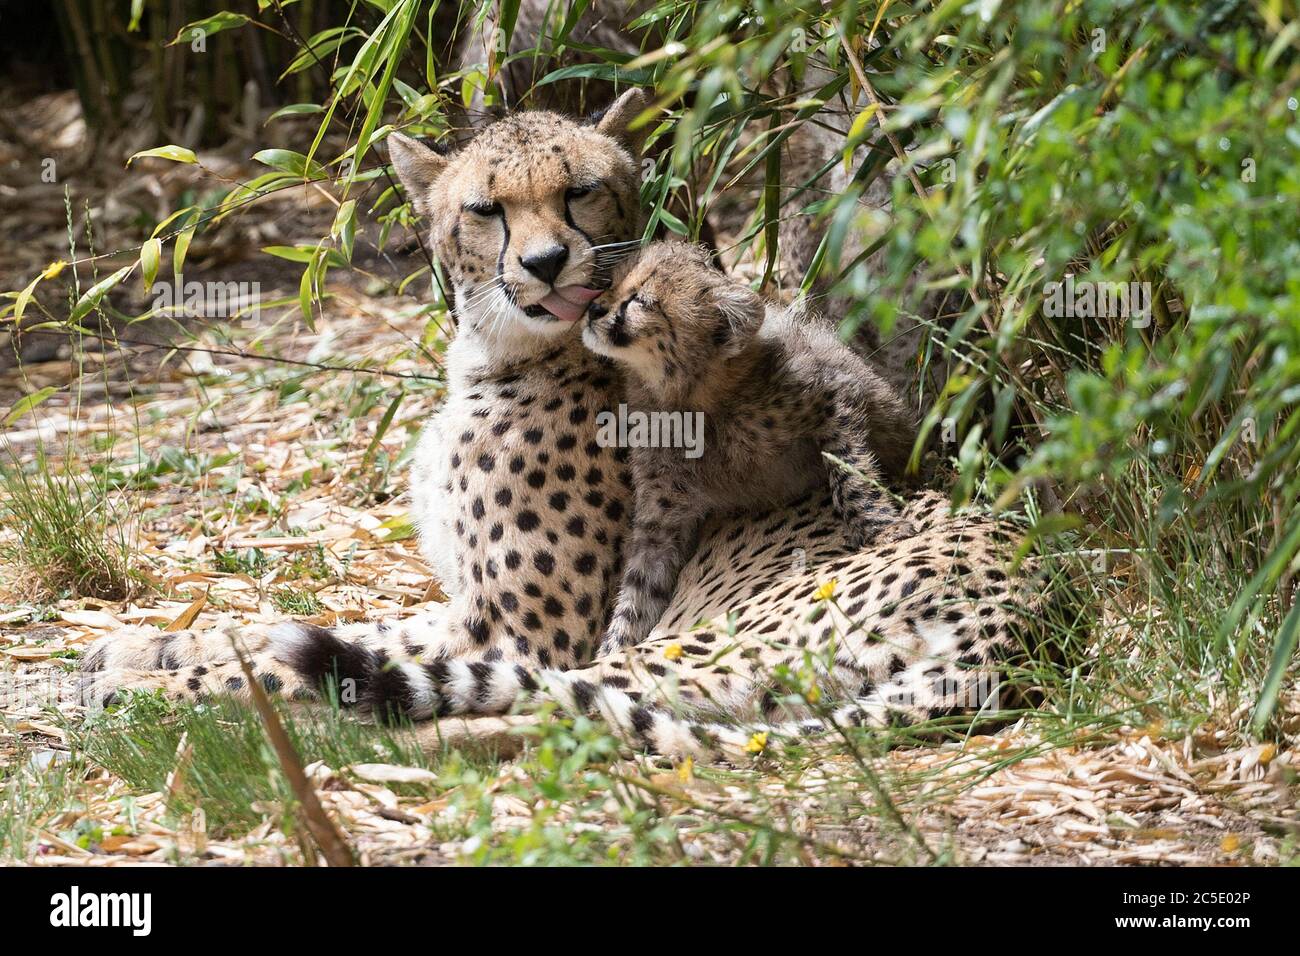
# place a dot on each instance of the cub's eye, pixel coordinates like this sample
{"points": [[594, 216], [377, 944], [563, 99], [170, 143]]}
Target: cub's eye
{"points": [[577, 192], [483, 208]]}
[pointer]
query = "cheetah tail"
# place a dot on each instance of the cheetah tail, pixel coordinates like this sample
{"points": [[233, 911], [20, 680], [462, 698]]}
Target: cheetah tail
{"points": [[391, 688], [363, 676], [495, 688]]}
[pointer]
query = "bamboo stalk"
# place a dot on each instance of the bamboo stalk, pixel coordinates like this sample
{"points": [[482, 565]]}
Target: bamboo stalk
{"points": [[322, 829], [93, 101], [108, 63], [158, 63]]}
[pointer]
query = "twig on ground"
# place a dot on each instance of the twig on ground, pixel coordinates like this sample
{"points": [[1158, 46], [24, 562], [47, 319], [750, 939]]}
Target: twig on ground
{"points": [[322, 829]]}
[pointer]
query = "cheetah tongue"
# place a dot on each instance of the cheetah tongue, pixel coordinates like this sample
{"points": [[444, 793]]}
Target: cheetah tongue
{"points": [[569, 302]]}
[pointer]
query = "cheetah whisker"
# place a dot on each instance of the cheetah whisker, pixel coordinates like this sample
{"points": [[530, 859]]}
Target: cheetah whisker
{"points": [[482, 292], [500, 314], [621, 243]]}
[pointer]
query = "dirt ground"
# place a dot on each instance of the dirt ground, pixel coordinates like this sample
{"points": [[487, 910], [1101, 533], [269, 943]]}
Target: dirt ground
{"points": [[293, 470]]}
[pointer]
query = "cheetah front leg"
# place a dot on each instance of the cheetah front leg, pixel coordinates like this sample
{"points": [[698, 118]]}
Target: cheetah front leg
{"points": [[663, 539], [857, 495]]}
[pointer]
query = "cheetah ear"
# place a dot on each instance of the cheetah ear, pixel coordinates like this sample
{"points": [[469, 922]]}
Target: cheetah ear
{"points": [[614, 120], [417, 166], [741, 311]]}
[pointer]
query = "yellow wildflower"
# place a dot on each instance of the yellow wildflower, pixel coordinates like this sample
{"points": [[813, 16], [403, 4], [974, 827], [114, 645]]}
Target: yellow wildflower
{"points": [[826, 591], [757, 742], [686, 770], [673, 652], [53, 269]]}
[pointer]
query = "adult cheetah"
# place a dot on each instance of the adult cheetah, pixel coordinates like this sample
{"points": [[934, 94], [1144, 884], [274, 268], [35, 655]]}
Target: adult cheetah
{"points": [[525, 514]]}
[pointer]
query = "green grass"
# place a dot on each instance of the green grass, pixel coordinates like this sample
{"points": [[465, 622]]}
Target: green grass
{"points": [[298, 601], [232, 767], [71, 534], [29, 794], [580, 799], [250, 561]]}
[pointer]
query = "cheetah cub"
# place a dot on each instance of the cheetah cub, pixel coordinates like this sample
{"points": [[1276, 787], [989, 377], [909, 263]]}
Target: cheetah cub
{"points": [[774, 391]]}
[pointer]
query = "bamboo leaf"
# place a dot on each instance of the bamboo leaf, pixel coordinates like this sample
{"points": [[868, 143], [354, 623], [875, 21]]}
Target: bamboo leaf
{"points": [[857, 133], [296, 109], [25, 296], [345, 227], [177, 154], [394, 43], [91, 298], [368, 458], [27, 403], [287, 161], [399, 528], [158, 229], [304, 298], [225, 20], [150, 254], [303, 254], [319, 47], [180, 250]]}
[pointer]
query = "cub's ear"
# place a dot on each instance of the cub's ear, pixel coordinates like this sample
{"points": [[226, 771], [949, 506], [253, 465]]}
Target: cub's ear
{"points": [[740, 312], [614, 119], [417, 166]]}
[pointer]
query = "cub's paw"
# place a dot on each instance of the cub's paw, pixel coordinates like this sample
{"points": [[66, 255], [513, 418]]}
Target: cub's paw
{"points": [[614, 640]]}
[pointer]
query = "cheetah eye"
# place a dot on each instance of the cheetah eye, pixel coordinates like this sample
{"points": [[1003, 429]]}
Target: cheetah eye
{"points": [[577, 192], [484, 209]]}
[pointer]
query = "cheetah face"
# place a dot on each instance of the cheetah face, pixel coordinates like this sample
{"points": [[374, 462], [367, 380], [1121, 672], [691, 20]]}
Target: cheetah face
{"points": [[528, 216], [672, 317]]}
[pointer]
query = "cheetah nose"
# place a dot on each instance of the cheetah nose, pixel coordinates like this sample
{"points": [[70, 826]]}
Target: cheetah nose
{"points": [[595, 312], [546, 265]]}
